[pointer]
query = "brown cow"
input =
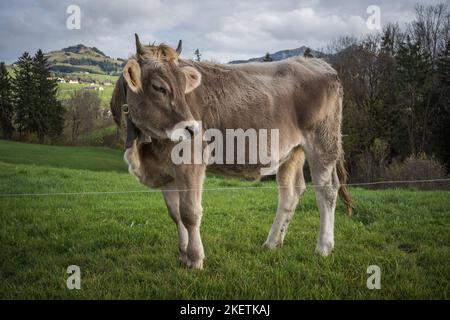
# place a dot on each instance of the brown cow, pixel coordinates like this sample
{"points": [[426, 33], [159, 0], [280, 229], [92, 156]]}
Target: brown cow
{"points": [[301, 98]]}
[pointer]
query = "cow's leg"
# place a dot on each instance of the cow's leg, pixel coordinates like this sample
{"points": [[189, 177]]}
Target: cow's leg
{"points": [[291, 185], [326, 184], [172, 199], [189, 180]]}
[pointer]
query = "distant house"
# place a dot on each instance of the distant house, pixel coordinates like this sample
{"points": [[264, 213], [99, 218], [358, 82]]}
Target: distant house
{"points": [[74, 81]]}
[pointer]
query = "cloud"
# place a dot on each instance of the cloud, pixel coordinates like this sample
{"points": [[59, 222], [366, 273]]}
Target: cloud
{"points": [[275, 30], [222, 30]]}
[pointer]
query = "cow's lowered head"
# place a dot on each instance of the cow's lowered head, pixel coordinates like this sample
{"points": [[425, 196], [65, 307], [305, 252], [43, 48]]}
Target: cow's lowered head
{"points": [[153, 88]]}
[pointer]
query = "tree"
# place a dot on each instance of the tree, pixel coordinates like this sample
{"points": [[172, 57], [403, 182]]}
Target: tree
{"points": [[37, 108], [431, 28], [388, 114], [23, 93], [396, 91], [6, 105], [48, 114], [414, 77], [198, 55], [441, 128], [83, 107], [267, 57], [308, 53]]}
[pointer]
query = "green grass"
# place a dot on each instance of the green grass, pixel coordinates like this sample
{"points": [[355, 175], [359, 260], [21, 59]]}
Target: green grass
{"points": [[94, 76], [96, 137], [80, 158], [66, 89], [126, 244]]}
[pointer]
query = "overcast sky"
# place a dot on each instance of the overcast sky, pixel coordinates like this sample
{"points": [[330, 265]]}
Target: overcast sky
{"points": [[222, 30]]}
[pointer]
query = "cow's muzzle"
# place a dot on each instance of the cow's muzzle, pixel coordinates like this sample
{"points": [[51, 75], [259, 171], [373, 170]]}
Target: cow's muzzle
{"points": [[184, 130]]}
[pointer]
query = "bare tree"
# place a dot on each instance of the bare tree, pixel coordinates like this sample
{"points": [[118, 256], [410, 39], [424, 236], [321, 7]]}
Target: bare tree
{"points": [[338, 44], [83, 108], [432, 27]]}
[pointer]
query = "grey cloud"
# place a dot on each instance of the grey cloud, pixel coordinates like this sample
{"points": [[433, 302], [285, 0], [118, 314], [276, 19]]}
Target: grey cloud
{"points": [[223, 30]]}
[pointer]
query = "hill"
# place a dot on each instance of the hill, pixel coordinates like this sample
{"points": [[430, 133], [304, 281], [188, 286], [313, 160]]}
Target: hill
{"points": [[87, 68], [281, 55], [83, 59], [126, 247]]}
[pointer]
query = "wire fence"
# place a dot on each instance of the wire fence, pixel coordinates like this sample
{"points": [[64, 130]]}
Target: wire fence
{"points": [[6, 195]]}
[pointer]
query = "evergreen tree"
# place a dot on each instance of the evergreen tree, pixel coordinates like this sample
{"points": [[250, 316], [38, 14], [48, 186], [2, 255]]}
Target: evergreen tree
{"points": [[6, 106], [267, 58], [414, 77], [198, 55], [23, 93], [308, 53], [48, 114], [387, 93], [443, 71], [441, 128]]}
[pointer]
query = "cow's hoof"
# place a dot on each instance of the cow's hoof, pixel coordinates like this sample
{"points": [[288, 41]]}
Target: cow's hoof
{"points": [[183, 259], [324, 249], [271, 245], [195, 264]]}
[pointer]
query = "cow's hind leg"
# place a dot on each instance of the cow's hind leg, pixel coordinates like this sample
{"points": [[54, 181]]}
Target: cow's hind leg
{"points": [[291, 185], [326, 184], [172, 199]]}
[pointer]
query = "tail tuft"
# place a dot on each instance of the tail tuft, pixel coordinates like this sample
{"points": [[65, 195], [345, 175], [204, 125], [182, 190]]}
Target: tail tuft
{"points": [[343, 190]]}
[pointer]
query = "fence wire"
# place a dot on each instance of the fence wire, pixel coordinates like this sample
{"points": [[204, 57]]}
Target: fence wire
{"points": [[6, 195]]}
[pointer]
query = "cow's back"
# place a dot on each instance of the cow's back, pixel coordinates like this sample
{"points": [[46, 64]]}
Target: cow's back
{"points": [[294, 92]]}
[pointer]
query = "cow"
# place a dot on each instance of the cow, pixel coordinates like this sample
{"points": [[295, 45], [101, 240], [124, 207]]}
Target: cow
{"points": [[158, 91]]}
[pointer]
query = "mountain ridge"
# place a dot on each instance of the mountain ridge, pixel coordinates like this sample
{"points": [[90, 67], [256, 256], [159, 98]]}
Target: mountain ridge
{"points": [[281, 55], [83, 59]]}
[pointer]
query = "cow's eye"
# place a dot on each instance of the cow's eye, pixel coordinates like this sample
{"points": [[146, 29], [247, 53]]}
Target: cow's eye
{"points": [[159, 89]]}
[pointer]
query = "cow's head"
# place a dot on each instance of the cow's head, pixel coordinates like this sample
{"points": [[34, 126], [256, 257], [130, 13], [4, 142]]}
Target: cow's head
{"points": [[155, 87]]}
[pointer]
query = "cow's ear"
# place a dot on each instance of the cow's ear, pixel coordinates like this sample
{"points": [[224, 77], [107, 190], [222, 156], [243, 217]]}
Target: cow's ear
{"points": [[132, 74], [193, 78], [119, 98]]}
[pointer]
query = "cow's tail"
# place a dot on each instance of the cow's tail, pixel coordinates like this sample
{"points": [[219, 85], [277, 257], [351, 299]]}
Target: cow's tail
{"points": [[343, 190], [340, 164]]}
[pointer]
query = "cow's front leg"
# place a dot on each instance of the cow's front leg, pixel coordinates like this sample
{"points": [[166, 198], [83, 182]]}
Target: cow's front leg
{"points": [[189, 181], [172, 199]]}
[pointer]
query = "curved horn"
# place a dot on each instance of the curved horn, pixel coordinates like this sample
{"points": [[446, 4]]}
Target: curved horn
{"points": [[139, 49], [179, 47]]}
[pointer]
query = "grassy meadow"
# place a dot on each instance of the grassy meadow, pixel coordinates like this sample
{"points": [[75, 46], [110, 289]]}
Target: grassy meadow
{"points": [[126, 245], [66, 89]]}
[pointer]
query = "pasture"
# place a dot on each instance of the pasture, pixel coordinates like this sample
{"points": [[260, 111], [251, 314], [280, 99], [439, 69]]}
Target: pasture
{"points": [[65, 90], [126, 245]]}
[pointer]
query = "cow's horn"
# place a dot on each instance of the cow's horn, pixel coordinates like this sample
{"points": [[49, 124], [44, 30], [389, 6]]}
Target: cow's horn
{"points": [[139, 49], [179, 47]]}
